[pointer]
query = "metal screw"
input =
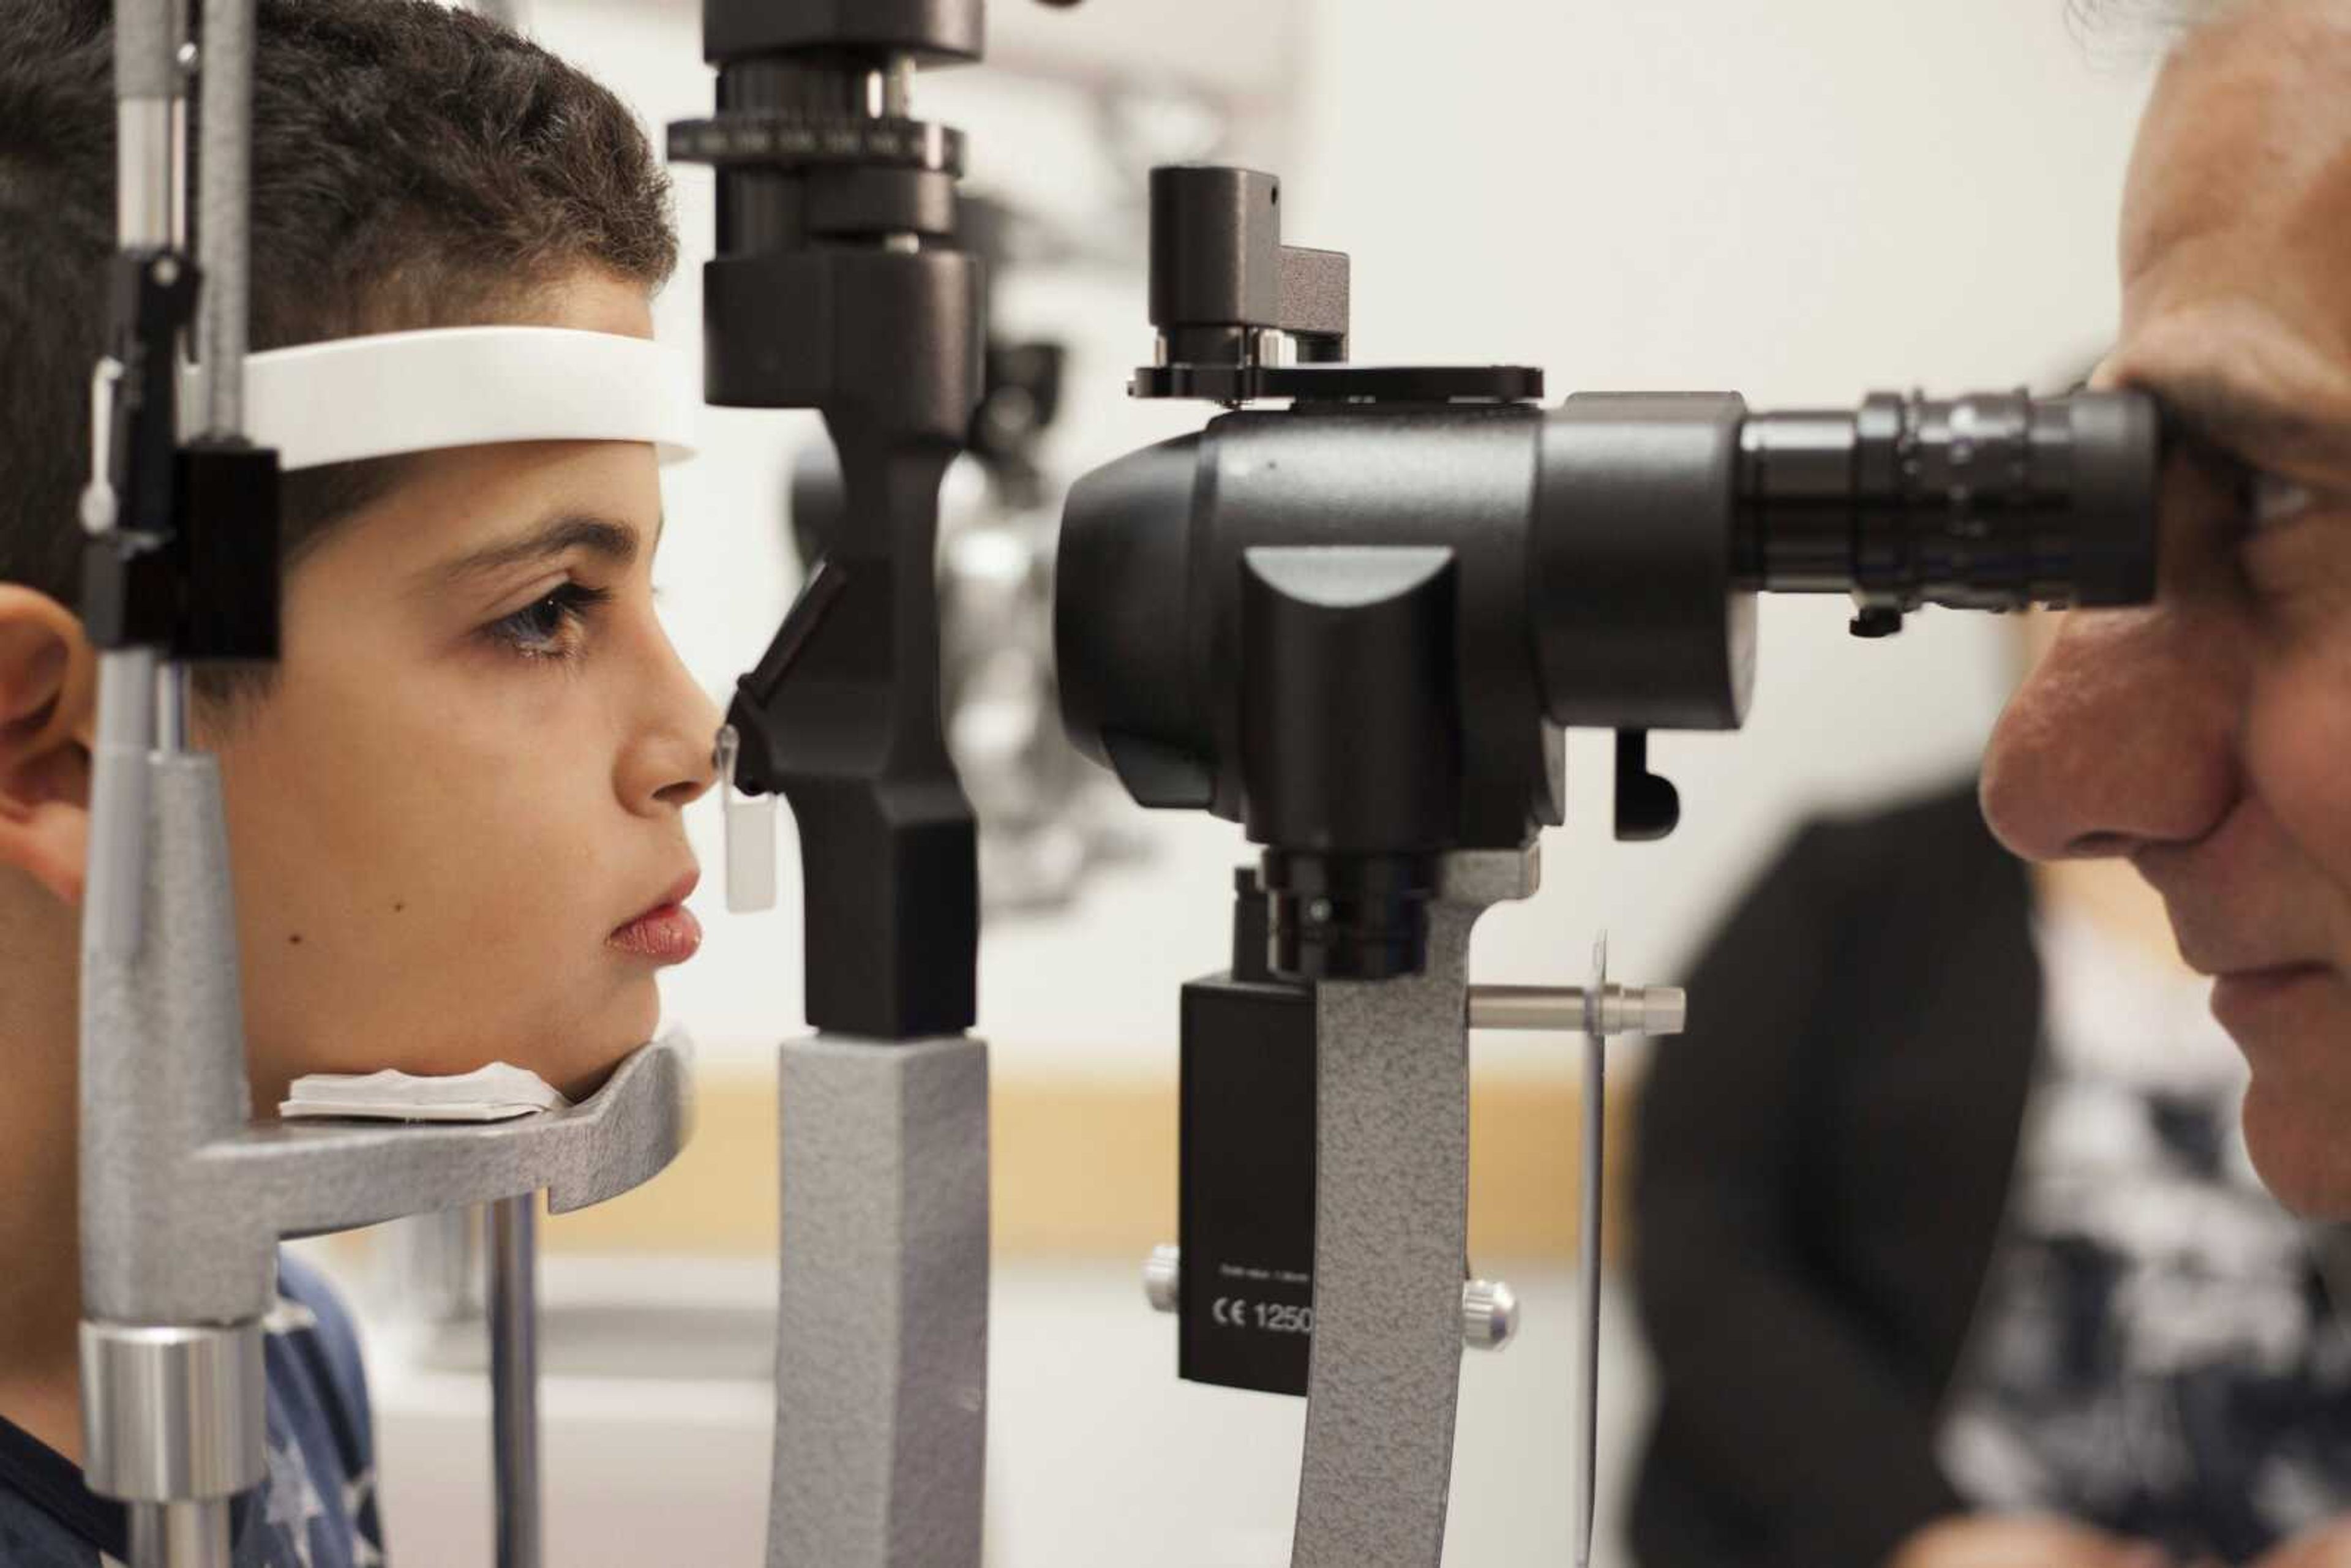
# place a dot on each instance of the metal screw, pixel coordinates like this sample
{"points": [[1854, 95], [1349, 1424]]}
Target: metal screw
{"points": [[1644, 1009], [100, 510], [1162, 1271], [1489, 1309]]}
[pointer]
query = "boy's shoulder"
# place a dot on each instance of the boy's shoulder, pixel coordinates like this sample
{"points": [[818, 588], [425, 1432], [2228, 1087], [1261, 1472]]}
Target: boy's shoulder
{"points": [[316, 1508]]}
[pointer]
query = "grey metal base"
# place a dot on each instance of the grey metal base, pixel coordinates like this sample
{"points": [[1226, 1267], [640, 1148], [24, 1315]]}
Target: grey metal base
{"points": [[882, 1336], [1392, 1242]]}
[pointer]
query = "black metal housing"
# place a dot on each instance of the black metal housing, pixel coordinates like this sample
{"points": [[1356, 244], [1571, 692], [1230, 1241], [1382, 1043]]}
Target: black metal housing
{"points": [[1358, 627], [838, 286], [187, 561], [1358, 631]]}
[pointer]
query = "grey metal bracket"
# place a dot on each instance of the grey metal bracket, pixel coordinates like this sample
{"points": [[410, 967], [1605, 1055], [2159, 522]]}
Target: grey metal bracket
{"points": [[184, 1200], [1392, 1240], [881, 1327]]}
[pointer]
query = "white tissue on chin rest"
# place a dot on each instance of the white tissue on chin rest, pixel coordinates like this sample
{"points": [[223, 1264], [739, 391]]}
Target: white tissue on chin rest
{"points": [[497, 1093]]}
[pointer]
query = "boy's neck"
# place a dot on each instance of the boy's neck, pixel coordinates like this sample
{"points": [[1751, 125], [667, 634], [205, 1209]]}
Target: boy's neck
{"points": [[40, 1230]]}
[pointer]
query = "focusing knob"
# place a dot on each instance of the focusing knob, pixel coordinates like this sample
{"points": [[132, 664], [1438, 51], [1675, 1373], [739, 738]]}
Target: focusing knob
{"points": [[781, 139], [1234, 384]]}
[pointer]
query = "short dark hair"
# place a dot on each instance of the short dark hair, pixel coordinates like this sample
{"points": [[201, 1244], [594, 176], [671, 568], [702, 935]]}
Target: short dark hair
{"points": [[413, 166]]}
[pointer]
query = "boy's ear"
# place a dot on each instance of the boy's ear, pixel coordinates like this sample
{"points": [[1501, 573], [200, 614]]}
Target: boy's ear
{"points": [[48, 680]]}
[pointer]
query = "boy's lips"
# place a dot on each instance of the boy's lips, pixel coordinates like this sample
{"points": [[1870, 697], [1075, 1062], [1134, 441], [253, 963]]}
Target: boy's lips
{"points": [[670, 935], [667, 931]]}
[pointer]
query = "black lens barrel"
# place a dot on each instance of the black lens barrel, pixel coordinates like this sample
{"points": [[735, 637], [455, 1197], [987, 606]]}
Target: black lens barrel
{"points": [[1988, 502]]}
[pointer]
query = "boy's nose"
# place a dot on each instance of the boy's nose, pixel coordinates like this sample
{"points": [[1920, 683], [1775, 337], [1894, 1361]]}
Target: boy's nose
{"points": [[673, 763], [2122, 737]]}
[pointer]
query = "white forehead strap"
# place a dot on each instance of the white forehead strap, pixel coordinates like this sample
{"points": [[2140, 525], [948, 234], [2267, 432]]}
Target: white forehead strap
{"points": [[397, 392]]}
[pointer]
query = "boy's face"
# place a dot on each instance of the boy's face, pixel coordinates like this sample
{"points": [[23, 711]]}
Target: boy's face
{"points": [[471, 769]]}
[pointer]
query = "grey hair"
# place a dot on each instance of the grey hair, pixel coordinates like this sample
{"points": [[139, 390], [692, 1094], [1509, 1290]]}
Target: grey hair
{"points": [[2174, 18]]}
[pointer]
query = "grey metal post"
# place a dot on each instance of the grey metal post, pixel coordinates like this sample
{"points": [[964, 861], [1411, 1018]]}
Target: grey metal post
{"points": [[183, 1535], [148, 87], [513, 1225], [882, 1330], [1392, 1242], [174, 1415], [223, 207]]}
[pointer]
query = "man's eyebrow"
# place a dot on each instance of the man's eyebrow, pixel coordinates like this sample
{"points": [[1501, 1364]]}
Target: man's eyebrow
{"points": [[2246, 421], [614, 541]]}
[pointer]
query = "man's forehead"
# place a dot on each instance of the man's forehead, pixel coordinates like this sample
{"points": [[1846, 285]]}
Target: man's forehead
{"points": [[2249, 126], [2237, 305]]}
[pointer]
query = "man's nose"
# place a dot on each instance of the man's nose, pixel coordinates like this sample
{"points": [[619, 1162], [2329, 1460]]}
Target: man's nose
{"points": [[2124, 736]]}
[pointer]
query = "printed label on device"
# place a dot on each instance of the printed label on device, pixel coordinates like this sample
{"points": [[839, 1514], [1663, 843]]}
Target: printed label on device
{"points": [[1246, 1294]]}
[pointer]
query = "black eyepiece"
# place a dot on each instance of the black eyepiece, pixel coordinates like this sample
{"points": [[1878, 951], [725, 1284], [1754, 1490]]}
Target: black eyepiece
{"points": [[1988, 502]]}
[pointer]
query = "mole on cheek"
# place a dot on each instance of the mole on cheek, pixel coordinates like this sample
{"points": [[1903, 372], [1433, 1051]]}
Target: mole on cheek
{"points": [[399, 908], [296, 939]]}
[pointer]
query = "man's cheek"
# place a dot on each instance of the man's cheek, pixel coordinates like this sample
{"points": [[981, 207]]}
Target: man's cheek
{"points": [[2297, 757]]}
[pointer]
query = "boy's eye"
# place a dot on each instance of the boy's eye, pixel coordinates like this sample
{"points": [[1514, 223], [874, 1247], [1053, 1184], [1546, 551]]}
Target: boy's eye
{"points": [[550, 626]]}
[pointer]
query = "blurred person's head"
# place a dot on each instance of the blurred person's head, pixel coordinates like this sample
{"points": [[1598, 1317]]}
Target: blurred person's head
{"points": [[2206, 739], [468, 769]]}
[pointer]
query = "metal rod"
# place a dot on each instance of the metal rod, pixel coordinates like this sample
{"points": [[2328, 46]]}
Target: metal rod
{"points": [[148, 82], [223, 212], [142, 198], [113, 911], [1595, 1122], [180, 1534], [172, 707], [1526, 1006], [514, 1377]]}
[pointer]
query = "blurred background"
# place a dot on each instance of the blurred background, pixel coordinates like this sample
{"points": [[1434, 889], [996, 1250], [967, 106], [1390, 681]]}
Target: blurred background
{"points": [[1803, 201]]}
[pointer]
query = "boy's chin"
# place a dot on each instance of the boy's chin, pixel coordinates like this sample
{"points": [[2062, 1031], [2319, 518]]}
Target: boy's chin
{"points": [[587, 1064]]}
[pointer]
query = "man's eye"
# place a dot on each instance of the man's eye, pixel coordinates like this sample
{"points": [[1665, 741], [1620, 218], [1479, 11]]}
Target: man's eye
{"points": [[2274, 500], [548, 627]]}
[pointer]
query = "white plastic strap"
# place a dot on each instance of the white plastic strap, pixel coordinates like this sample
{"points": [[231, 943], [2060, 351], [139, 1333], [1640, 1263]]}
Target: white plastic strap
{"points": [[399, 393]]}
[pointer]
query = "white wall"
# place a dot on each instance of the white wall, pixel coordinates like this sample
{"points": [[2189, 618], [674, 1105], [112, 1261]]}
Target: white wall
{"points": [[1803, 200]]}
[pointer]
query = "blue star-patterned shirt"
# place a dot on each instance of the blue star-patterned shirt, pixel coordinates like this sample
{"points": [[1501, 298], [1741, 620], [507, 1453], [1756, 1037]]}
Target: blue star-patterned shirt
{"points": [[314, 1510]]}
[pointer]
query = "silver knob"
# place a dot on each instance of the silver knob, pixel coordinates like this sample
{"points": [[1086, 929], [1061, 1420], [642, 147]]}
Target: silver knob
{"points": [[1489, 1314], [1644, 1009], [1162, 1272], [1489, 1309]]}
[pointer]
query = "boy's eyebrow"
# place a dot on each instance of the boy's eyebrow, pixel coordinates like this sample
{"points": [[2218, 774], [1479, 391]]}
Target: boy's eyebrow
{"points": [[614, 541]]}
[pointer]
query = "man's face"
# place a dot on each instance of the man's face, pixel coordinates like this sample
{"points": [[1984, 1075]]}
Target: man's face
{"points": [[469, 776], [2208, 736]]}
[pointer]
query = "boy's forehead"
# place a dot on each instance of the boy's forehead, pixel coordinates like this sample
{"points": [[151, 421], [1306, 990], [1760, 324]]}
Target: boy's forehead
{"points": [[468, 513], [592, 300]]}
